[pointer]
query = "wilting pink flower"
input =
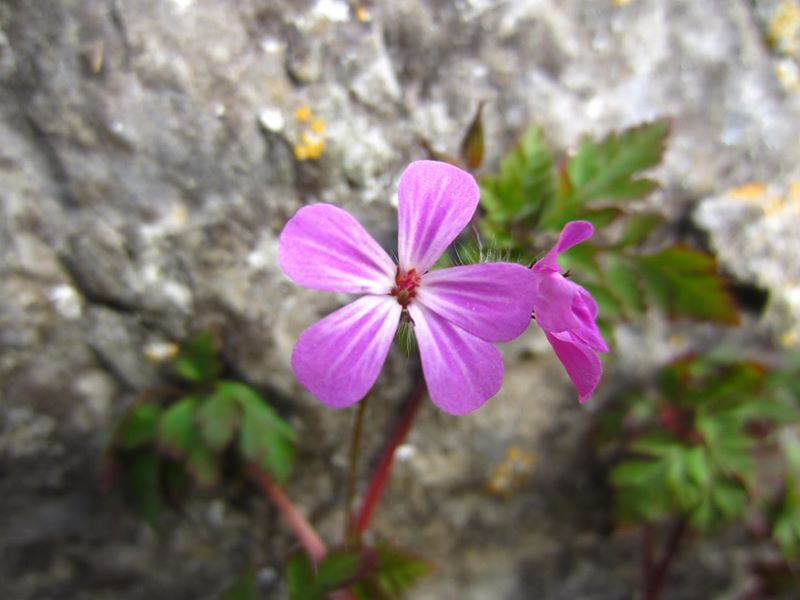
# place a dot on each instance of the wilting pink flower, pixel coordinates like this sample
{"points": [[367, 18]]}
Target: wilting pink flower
{"points": [[457, 313], [566, 312]]}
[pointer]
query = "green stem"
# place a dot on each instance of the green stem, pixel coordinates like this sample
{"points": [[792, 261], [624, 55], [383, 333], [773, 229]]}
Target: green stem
{"points": [[352, 470]]}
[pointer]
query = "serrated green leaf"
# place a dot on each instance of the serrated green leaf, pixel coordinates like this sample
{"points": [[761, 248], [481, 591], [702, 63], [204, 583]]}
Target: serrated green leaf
{"points": [[395, 573], [197, 360], [624, 285], [139, 427], [637, 228], [337, 569], [656, 445], [218, 418], [177, 426], [525, 185], [264, 438], [684, 282], [636, 472], [605, 170], [730, 499], [699, 466], [244, 588]]}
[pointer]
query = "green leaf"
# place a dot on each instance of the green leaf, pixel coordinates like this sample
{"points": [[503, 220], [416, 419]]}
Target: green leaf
{"points": [[684, 282], [657, 445], [730, 499], [637, 228], [605, 170], [607, 303], [202, 462], [197, 361], [525, 185], [636, 472], [139, 427], [218, 418], [624, 285], [264, 438], [141, 485], [472, 144], [244, 588], [177, 427], [338, 569], [395, 573]]}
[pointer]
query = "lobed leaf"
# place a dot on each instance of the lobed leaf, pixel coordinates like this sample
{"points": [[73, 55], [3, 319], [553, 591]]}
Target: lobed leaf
{"points": [[197, 361], [395, 572], [139, 426], [606, 170]]}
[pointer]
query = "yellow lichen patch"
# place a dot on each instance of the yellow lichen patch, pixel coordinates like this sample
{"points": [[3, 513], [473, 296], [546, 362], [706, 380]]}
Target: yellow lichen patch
{"points": [[318, 126], [302, 114], [748, 191], [362, 14], [311, 136], [784, 28], [512, 473], [788, 73], [794, 192], [619, 3], [789, 339]]}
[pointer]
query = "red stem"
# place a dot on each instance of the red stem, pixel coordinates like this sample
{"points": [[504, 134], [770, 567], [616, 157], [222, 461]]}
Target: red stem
{"points": [[302, 529], [381, 476], [658, 574]]}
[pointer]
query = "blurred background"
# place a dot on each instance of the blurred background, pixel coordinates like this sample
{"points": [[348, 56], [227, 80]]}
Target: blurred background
{"points": [[150, 154]]}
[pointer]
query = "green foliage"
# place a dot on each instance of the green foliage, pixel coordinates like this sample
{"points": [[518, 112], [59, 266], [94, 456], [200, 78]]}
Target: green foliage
{"points": [[381, 573], [244, 588], [197, 361], [531, 194], [338, 569], [162, 448], [395, 572], [690, 445]]}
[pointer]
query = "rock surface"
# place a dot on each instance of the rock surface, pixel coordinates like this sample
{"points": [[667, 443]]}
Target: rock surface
{"points": [[150, 153]]}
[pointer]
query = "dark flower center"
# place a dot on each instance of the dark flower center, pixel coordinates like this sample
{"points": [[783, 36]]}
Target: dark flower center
{"points": [[406, 285]]}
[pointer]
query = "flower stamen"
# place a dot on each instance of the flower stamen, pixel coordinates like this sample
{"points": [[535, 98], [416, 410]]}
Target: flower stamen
{"points": [[406, 284]]}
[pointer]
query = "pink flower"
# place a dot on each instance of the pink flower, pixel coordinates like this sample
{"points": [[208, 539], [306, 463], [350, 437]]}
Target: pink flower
{"points": [[457, 313], [566, 312]]}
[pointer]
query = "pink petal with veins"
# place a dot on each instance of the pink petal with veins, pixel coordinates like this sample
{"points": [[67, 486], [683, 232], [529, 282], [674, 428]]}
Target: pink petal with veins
{"points": [[462, 371], [436, 201], [325, 248], [339, 358]]}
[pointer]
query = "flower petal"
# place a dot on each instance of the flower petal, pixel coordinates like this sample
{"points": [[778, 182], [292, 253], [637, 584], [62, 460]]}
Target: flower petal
{"points": [[339, 358], [562, 305], [436, 201], [461, 370], [493, 301], [573, 233], [324, 247], [581, 362]]}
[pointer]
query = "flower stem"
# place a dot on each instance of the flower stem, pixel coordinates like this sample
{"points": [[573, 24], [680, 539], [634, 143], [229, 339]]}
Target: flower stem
{"points": [[302, 529], [657, 575], [381, 476], [352, 472]]}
